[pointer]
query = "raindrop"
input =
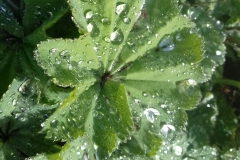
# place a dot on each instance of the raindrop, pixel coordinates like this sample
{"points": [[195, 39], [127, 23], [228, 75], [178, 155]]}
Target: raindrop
{"points": [[24, 87], [121, 9], [14, 102], [150, 114], [64, 54], [177, 150], [38, 14], [166, 43], [93, 29], [127, 20], [166, 129], [144, 94], [179, 37], [52, 51], [218, 53], [49, 15], [105, 21], [163, 106], [149, 42], [54, 123], [89, 14], [37, 7], [116, 37]]}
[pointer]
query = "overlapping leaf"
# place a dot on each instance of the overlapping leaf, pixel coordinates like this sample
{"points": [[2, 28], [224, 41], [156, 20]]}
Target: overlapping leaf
{"points": [[20, 119], [137, 58]]}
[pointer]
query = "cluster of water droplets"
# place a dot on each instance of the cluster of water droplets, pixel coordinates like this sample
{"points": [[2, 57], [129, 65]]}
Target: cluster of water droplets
{"points": [[39, 14]]}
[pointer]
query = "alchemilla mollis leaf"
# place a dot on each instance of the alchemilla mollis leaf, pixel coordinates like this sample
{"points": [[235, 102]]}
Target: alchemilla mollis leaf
{"points": [[134, 72]]}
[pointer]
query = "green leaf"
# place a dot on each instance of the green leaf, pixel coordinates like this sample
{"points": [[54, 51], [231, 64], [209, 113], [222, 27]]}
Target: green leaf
{"points": [[8, 22], [117, 92], [20, 120], [42, 11], [213, 34]]}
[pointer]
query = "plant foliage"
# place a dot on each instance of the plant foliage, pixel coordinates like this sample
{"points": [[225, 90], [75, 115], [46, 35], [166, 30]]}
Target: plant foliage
{"points": [[93, 79]]}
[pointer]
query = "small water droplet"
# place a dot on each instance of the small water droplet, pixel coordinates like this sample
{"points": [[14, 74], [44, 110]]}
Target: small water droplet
{"points": [[218, 53], [64, 54], [24, 87], [144, 94], [150, 114], [52, 51], [105, 21], [116, 37], [14, 102], [149, 42], [54, 123], [127, 20]]}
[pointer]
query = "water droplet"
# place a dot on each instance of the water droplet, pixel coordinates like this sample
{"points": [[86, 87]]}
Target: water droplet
{"points": [[49, 15], [14, 102], [179, 37], [42, 125], [107, 39], [105, 21], [64, 54], [144, 94], [93, 29], [149, 42], [166, 128], [52, 51], [177, 150], [166, 43], [37, 7], [54, 123], [116, 37], [150, 114], [24, 87], [163, 106], [218, 53], [89, 14], [121, 9], [191, 82], [127, 20]]}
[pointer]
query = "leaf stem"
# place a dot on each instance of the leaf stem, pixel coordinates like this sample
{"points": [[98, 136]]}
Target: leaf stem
{"points": [[228, 82]]}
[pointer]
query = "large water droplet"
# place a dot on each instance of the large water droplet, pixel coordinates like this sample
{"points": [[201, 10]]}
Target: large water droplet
{"points": [[177, 150], [121, 9], [166, 129], [151, 114], [89, 14], [166, 43], [116, 37], [93, 29]]}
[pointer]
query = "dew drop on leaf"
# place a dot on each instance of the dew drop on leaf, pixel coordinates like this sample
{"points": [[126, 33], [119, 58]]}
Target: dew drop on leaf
{"points": [[127, 20], [166, 129], [116, 37], [93, 29], [52, 51], [166, 43], [121, 9], [144, 94], [105, 21], [89, 14], [64, 54], [151, 114], [177, 150], [54, 123]]}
